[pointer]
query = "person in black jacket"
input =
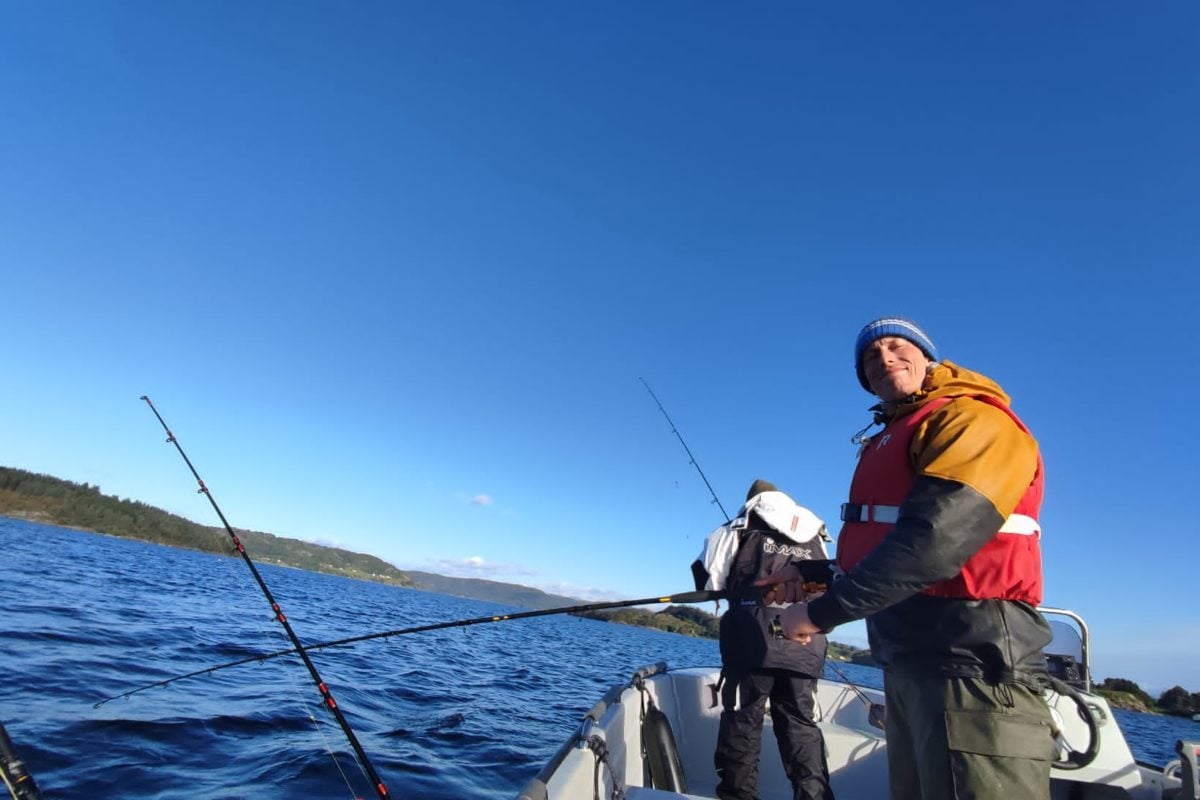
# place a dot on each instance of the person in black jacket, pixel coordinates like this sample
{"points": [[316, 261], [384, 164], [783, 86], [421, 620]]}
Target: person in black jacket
{"points": [[770, 532]]}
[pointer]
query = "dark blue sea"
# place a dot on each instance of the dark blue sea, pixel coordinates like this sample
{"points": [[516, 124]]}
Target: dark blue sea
{"points": [[459, 713]]}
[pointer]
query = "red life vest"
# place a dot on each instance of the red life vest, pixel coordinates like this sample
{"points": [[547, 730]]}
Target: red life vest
{"points": [[1008, 567]]}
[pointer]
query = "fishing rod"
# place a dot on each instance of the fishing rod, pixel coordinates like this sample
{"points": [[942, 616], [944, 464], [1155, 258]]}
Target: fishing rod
{"points": [[326, 696], [724, 514], [17, 780], [683, 597], [688, 450]]}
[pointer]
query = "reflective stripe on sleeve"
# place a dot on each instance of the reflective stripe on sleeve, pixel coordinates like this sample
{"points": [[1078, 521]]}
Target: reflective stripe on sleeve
{"points": [[1021, 525]]}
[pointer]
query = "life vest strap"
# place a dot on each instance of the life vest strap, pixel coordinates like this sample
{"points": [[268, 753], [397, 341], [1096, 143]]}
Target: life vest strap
{"points": [[864, 512], [1019, 524]]}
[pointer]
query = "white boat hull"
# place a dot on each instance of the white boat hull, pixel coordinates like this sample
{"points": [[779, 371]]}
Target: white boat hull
{"points": [[612, 734]]}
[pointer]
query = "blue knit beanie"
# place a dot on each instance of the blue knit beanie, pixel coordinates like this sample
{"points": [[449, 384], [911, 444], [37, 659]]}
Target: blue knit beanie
{"points": [[890, 326]]}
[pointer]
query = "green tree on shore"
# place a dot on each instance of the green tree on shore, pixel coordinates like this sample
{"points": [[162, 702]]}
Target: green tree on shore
{"points": [[1179, 701], [1124, 693], [1126, 686]]}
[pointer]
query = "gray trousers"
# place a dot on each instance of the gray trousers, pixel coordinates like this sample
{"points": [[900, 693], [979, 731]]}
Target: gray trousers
{"points": [[966, 739]]}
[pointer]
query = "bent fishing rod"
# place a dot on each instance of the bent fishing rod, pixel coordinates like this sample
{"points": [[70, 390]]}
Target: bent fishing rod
{"points": [[683, 597], [326, 696], [692, 459], [695, 464]]}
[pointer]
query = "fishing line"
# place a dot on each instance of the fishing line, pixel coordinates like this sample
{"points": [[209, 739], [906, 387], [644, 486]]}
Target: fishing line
{"points": [[326, 696], [682, 598]]}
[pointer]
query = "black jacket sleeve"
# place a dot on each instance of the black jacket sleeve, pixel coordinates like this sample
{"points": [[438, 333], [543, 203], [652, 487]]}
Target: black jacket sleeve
{"points": [[941, 525]]}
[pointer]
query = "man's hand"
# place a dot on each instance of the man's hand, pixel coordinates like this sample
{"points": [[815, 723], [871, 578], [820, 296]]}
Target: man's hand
{"points": [[796, 624], [785, 585]]}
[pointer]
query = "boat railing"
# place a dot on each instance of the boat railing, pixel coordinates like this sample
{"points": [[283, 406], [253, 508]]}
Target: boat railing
{"points": [[1075, 668]]}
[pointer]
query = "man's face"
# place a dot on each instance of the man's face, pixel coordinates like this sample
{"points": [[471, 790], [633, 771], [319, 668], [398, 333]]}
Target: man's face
{"points": [[895, 367]]}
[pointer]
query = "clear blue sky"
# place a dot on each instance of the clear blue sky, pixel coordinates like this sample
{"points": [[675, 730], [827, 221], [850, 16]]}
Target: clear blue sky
{"points": [[392, 271]]}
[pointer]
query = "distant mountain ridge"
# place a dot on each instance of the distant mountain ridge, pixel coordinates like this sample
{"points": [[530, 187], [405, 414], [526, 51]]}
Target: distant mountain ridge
{"points": [[507, 594]]}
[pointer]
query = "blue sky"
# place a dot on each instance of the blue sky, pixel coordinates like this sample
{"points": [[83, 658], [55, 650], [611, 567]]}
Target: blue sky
{"points": [[392, 271]]}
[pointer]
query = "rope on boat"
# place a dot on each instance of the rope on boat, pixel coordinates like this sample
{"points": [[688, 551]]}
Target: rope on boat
{"points": [[326, 696], [876, 712], [1075, 759], [599, 747]]}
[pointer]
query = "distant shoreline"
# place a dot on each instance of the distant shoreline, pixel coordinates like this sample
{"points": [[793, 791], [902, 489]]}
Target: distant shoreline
{"points": [[45, 499]]}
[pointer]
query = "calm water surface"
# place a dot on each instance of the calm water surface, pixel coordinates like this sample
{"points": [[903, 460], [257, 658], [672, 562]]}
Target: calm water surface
{"points": [[468, 712]]}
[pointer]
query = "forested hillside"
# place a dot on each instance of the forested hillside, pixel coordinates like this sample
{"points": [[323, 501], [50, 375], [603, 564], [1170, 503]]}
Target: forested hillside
{"points": [[43, 498]]}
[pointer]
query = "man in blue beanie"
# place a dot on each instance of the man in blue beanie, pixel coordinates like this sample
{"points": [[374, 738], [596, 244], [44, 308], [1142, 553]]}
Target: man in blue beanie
{"points": [[940, 549], [890, 328]]}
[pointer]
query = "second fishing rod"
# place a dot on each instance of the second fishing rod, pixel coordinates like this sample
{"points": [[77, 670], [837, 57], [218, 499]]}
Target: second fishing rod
{"points": [[817, 574], [809, 583], [326, 696]]}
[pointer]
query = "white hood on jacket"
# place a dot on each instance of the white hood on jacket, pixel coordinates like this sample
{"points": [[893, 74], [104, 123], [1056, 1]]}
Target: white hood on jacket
{"points": [[781, 513], [784, 515]]}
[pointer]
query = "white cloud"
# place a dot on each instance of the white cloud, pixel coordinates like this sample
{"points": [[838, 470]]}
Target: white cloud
{"points": [[477, 567], [481, 500], [328, 542], [590, 593]]}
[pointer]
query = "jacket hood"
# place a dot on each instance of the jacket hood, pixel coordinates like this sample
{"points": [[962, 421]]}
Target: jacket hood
{"points": [[783, 514], [946, 379]]}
